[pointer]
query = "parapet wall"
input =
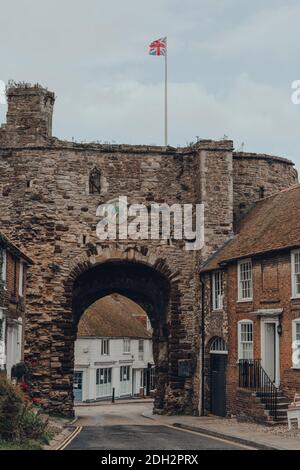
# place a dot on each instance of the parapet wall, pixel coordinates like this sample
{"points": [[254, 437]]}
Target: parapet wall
{"points": [[256, 176]]}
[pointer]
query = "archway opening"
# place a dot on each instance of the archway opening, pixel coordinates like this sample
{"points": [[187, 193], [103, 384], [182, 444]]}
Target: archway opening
{"points": [[141, 285], [113, 352]]}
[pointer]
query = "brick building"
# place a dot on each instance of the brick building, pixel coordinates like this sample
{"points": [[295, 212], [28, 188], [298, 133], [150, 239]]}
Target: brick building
{"points": [[13, 267], [51, 190], [251, 290]]}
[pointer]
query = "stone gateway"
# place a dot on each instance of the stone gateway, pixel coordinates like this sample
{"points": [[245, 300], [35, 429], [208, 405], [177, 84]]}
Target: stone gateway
{"points": [[50, 190]]}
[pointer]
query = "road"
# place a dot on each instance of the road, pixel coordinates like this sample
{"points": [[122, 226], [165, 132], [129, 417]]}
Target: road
{"points": [[122, 427]]}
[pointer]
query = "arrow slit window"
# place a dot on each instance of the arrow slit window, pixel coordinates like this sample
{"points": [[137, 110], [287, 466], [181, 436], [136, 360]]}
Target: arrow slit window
{"points": [[95, 181]]}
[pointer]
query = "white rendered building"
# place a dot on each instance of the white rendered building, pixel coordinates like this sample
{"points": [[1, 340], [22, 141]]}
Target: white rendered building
{"points": [[113, 352]]}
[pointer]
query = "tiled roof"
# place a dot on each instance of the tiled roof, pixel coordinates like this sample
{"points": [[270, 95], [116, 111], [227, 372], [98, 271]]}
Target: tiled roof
{"points": [[10, 246], [112, 316], [273, 224]]}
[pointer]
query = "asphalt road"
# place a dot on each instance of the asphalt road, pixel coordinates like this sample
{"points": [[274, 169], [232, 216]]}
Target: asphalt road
{"points": [[121, 427]]}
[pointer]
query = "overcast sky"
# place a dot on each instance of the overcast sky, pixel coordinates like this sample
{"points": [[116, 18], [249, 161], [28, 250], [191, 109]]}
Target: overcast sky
{"points": [[231, 65]]}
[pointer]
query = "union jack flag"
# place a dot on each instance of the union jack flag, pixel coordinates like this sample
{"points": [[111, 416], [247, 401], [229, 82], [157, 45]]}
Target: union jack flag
{"points": [[158, 47]]}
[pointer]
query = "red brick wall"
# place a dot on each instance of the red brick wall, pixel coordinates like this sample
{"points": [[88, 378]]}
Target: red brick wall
{"points": [[271, 289]]}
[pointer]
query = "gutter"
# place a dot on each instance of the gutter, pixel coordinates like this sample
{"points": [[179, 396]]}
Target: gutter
{"points": [[202, 350]]}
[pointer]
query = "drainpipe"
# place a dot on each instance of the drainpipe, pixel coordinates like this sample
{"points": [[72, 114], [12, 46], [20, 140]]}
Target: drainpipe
{"points": [[202, 350]]}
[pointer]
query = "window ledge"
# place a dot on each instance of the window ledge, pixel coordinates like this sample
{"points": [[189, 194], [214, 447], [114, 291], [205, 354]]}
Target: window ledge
{"points": [[295, 367], [244, 301]]}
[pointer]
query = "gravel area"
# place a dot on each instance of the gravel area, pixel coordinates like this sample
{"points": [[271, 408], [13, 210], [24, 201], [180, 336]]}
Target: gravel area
{"points": [[278, 430]]}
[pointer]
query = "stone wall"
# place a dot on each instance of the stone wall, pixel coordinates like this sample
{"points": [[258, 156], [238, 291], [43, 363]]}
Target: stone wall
{"points": [[256, 176], [47, 209]]}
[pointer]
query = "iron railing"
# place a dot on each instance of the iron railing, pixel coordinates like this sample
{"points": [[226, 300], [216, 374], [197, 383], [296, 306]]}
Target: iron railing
{"points": [[253, 377]]}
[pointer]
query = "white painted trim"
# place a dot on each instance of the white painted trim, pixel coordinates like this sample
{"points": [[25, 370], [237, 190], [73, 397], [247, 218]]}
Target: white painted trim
{"points": [[263, 321], [214, 307], [293, 284], [4, 267], [294, 322], [21, 278], [245, 320], [240, 298]]}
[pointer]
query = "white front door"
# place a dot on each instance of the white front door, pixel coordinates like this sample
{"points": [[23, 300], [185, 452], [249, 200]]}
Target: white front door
{"points": [[270, 349]]}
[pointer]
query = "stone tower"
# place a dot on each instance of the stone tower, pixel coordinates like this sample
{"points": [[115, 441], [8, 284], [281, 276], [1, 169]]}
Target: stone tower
{"points": [[29, 116]]}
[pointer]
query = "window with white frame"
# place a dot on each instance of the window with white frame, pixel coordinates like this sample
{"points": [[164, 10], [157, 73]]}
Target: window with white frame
{"points": [[245, 339], [295, 261], [2, 340], [126, 345], [217, 290], [296, 343], [245, 280], [141, 349], [21, 279], [4, 261], [105, 347]]}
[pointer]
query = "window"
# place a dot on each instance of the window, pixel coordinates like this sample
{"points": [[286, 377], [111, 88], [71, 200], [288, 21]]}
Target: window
{"points": [[141, 349], [245, 339], [244, 280], [296, 343], [21, 279], [103, 382], [4, 261], [95, 181], [217, 291], [295, 261], [126, 346], [218, 346], [124, 373], [2, 340], [105, 347]]}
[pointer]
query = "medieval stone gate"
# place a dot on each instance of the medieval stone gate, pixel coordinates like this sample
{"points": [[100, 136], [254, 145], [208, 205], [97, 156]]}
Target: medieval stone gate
{"points": [[50, 190]]}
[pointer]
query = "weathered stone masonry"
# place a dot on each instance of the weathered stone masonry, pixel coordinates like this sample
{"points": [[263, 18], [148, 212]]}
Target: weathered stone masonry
{"points": [[46, 208]]}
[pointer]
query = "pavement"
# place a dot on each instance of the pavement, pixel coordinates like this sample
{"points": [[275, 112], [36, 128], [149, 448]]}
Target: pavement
{"points": [[125, 427], [254, 435]]}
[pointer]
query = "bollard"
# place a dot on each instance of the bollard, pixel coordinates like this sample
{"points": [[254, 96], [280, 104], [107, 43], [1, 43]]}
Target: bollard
{"points": [[113, 395]]}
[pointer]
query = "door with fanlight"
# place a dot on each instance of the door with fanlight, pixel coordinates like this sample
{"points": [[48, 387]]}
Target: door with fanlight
{"points": [[218, 366]]}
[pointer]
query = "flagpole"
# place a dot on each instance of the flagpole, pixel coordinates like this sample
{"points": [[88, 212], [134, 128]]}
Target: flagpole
{"points": [[166, 95]]}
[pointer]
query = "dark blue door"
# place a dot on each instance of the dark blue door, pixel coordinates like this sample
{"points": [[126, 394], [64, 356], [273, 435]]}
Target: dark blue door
{"points": [[218, 363]]}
